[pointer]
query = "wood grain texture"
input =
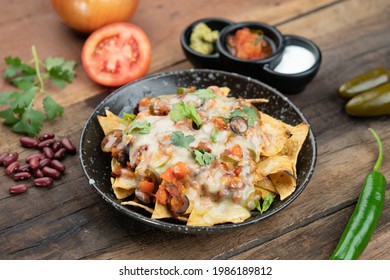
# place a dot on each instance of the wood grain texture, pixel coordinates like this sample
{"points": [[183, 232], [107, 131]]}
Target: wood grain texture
{"points": [[71, 221]]}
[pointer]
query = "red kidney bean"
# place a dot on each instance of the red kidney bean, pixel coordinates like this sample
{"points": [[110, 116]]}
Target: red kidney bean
{"points": [[38, 173], [56, 146], [48, 152], [44, 162], [2, 157], [10, 158], [51, 172], [60, 154], [12, 167], [68, 145], [28, 142], [24, 168], [34, 163], [21, 176], [39, 155], [46, 143], [17, 189], [43, 182], [46, 136], [56, 164]]}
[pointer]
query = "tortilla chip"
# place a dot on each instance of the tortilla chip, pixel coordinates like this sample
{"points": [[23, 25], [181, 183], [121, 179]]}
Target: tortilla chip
{"points": [[265, 192], [137, 204], [265, 184], [161, 211], [275, 133], [275, 164], [110, 122], [284, 183], [295, 142], [122, 187]]}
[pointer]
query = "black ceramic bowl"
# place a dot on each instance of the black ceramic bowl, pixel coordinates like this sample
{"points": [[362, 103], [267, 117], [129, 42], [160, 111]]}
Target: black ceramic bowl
{"points": [[97, 167], [293, 82], [249, 67], [197, 59]]}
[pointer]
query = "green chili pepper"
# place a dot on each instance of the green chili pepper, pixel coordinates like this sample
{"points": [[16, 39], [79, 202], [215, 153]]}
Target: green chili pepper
{"points": [[365, 217], [375, 102], [364, 82]]}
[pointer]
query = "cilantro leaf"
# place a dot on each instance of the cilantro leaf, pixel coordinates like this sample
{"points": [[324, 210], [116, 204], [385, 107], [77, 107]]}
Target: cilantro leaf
{"points": [[179, 139], [6, 97], [16, 67], [202, 157], [128, 117], [60, 71], [249, 114], [236, 113], [252, 114], [22, 100], [181, 111], [8, 116], [139, 127], [205, 94], [52, 108], [267, 202], [30, 123]]}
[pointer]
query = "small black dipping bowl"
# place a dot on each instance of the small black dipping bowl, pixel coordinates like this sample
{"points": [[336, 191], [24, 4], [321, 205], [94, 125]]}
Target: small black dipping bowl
{"points": [[197, 59], [295, 82], [249, 67]]}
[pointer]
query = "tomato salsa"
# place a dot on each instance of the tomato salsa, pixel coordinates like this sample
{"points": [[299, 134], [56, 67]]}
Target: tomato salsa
{"points": [[249, 44]]}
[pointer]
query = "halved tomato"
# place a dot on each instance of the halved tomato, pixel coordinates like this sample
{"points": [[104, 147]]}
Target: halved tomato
{"points": [[116, 54]]}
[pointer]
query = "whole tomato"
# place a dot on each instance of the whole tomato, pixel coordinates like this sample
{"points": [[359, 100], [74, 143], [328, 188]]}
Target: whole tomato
{"points": [[88, 15]]}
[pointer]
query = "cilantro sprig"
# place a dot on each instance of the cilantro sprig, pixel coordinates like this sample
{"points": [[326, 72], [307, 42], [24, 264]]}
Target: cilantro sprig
{"points": [[29, 78], [249, 114], [202, 157], [181, 111], [139, 127], [179, 139]]}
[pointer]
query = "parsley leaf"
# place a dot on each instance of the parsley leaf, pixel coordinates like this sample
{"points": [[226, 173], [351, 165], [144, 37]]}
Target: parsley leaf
{"points": [[205, 94], [179, 139], [29, 78], [181, 111], [202, 157], [139, 127]]}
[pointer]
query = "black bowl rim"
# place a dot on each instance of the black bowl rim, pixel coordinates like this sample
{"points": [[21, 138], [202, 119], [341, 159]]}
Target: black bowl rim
{"points": [[313, 48], [187, 47], [221, 46], [163, 225]]}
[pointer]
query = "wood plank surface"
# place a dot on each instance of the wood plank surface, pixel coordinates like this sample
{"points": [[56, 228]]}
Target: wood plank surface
{"points": [[71, 221]]}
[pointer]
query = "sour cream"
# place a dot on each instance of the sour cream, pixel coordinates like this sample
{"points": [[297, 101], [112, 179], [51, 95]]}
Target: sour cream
{"points": [[295, 59]]}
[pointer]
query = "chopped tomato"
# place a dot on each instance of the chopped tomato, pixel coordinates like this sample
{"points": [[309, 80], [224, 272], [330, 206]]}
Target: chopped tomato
{"points": [[116, 54], [146, 187], [249, 44]]}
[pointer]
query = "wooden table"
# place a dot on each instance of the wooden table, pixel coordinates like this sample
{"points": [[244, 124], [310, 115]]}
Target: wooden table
{"points": [[71, 221]]}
